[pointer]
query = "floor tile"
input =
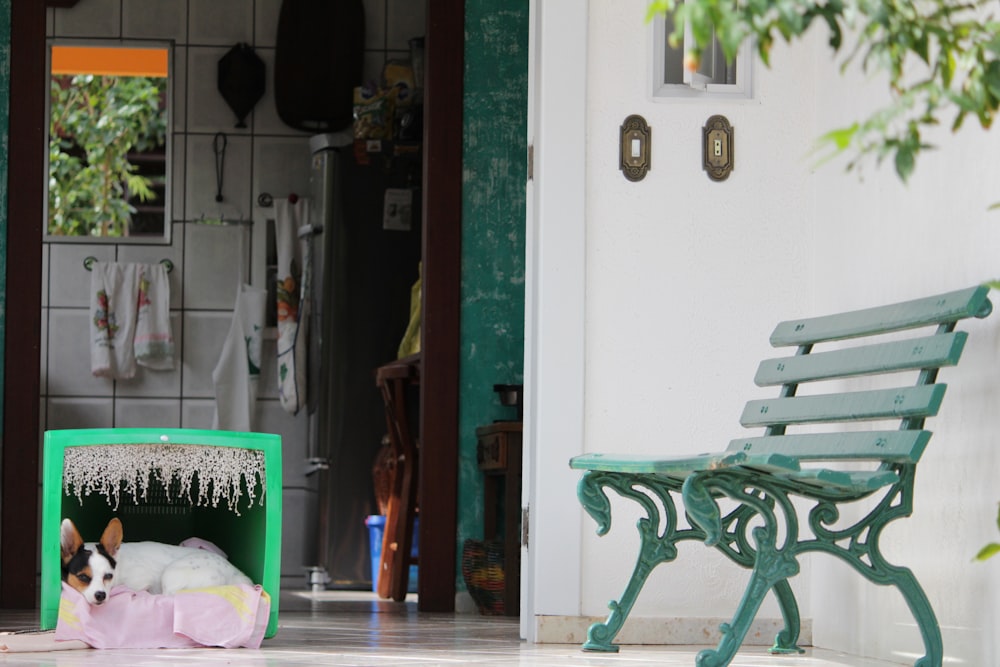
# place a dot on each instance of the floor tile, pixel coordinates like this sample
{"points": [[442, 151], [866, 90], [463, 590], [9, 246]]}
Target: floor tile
{"points": [[358, 629]]}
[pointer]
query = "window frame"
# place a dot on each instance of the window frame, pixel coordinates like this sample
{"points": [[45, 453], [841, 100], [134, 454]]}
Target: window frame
{"points": [[165, 238], [662, 90]]}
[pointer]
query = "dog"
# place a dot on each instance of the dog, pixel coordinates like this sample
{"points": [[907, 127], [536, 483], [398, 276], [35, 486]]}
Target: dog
{"points": [[94, 569]]}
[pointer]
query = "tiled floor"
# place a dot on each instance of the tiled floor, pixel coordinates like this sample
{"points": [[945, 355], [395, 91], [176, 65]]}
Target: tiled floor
{"points": [[358, 629]]}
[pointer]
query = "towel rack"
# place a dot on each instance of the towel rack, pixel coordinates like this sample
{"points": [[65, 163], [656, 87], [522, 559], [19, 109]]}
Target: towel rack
{"points": [[88, 263], [266, 200], [222, 222]]}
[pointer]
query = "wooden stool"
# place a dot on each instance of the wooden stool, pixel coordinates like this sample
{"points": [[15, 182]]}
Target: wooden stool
{"points": [[499, 456], [393, 380]]}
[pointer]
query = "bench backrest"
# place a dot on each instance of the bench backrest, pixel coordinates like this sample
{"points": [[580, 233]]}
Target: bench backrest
{"points": [[922, 352]]}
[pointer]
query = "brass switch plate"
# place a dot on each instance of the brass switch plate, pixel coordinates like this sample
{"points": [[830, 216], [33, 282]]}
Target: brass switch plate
{"points": [[635, 148], [717, 148]]}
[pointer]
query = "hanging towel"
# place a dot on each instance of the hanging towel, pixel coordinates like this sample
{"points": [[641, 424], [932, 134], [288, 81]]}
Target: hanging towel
{"points": [[237, 373], [293, 297], [154, 340], [114, 290]]}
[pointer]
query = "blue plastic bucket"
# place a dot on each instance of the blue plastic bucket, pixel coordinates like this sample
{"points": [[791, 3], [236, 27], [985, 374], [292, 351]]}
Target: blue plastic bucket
{"points": [[376, 528]]}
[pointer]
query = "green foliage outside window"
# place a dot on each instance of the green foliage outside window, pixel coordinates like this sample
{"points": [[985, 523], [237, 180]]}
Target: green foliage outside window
{"points": [[96, 122]]}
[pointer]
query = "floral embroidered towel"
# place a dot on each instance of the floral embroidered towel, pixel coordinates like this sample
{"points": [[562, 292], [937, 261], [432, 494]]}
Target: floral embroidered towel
{"points": [[114, 290], [293, 292], [154, 340]]}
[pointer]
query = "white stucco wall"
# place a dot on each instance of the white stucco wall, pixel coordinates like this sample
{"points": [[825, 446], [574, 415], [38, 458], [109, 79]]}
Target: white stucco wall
{"points": [[878, 240], [684, 279]]}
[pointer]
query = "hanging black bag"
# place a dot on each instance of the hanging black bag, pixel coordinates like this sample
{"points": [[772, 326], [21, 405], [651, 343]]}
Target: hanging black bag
{"points": [[318, 62]]}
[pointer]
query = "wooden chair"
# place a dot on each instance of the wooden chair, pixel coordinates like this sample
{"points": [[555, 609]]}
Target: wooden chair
{"points": [[393, 380]]}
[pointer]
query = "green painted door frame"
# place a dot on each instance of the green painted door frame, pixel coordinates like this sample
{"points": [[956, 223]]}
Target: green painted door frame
{"points": [[494, 168]]}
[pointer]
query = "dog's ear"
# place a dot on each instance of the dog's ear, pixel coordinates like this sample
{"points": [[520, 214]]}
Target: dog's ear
{"points": [[69, 540], [111, 539]]}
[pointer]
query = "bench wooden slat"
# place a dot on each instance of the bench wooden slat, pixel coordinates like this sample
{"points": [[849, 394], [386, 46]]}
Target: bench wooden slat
{"points": [[853, 481], [916, 353], [894, 446], [950, 307], [684, 466], [914, 402]]}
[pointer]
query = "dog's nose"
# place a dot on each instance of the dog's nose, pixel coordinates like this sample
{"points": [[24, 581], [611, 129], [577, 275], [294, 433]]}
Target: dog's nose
{"points": [[99, 596]]}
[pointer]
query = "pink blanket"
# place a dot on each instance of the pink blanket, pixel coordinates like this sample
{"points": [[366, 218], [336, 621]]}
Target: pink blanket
{"points": [[225, 616]]}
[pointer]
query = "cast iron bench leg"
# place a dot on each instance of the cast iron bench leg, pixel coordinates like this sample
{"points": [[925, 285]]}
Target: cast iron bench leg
{"points": [[787, 640]]}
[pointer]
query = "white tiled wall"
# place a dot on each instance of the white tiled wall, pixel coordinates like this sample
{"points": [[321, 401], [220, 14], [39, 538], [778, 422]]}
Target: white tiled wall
{"points": [[209, 261]]}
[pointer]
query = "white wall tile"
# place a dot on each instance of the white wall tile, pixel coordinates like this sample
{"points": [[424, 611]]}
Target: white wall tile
{"points": [[79, 413], [375, 24], [221, 21], [178, 186], [93, 18], [204, 334], [406, 20], [207, 110], [147, 413], [266, 22], [215, 264], [298, 533], [69, 355], [281, 166], [201, 185], [179, 79], [69, 281], [197, 413], [294, 430], [155, 19], [50, 22], [153, 383]]}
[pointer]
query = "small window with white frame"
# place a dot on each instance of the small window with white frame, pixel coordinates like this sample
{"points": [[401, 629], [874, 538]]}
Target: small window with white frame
{"points": [[715, 78]]}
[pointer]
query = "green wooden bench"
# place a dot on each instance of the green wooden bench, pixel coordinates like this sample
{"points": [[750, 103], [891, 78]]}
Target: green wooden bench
{"points": [[743, 501]]}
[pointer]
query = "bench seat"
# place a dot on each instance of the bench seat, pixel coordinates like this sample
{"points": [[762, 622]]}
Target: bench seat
{"points": [[751, 499]]}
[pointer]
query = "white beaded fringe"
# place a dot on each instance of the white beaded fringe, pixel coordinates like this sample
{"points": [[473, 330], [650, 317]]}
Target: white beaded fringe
{"points": [[108, 469]]}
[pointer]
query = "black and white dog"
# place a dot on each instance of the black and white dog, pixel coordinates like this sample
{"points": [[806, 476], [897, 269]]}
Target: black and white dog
{"points": [[94, 569]]}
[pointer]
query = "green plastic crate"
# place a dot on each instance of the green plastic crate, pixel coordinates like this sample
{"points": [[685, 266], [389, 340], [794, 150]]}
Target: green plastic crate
{"points": [[251, 539]]}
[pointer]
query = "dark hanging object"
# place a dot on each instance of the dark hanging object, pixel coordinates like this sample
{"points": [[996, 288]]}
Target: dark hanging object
{"points": [[318, 62], [241, 80]]}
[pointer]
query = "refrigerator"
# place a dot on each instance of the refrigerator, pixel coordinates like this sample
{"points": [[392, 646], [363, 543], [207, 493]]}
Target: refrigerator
{"points": [[366, 261]]}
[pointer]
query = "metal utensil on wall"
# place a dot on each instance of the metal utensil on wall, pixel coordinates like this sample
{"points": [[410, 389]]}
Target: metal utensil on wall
{"points": [[241, 80]]}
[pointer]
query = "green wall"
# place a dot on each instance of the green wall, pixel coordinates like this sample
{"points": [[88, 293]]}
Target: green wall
{"points": [[4, 124], [493, 227]]}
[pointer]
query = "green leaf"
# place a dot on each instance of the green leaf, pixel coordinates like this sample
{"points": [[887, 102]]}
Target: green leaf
{"points": [[841, 138], [988, 551], [992, 78], [904, 162]]}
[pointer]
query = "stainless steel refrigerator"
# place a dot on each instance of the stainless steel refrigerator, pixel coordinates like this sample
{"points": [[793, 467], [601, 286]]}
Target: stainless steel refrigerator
{"points": [[366, 261]]}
